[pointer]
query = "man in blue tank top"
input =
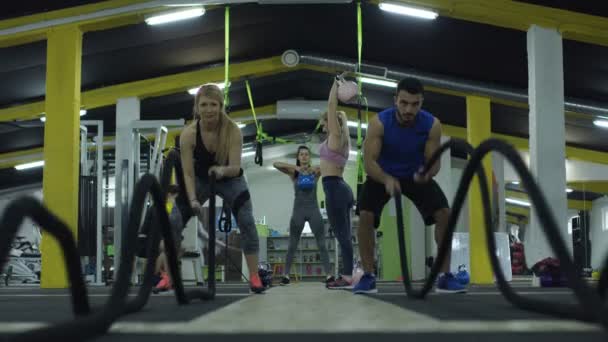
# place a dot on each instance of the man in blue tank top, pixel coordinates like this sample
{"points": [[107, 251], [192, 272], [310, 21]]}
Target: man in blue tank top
{"points": [[398, 143]]}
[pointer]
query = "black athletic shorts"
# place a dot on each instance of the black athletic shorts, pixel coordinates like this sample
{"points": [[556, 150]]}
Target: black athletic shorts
{"points": [[428, 198]]}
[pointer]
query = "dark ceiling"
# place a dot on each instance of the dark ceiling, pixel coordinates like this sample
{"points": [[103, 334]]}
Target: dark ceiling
{"points": [[448, 47]]}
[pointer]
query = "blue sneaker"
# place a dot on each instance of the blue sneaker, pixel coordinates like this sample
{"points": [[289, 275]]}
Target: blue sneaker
{"points": [[462, 275], [367, 284], [447, 283]]}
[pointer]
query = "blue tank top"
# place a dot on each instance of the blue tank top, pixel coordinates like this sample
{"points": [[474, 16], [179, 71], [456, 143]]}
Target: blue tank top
{"points": [[402, 151]]}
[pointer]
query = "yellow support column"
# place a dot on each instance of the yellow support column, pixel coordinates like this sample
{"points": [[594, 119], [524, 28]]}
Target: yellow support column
{"points": [[478, 130], [61, 145]]}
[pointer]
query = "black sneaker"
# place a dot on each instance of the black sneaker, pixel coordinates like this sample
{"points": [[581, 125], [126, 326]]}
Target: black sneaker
{"points": [[284, 281]]}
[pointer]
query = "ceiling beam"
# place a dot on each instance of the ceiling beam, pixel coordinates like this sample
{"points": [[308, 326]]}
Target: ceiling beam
{"points": [[572, 204], [153, 87], [448, 130], [599, 186], [171, 84], [520, 16], [102, 15], [66, 13], [516, 219], [11, 159]]}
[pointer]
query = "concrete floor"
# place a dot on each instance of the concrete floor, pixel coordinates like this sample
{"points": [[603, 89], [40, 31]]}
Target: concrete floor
{"points": [[309, 310]]}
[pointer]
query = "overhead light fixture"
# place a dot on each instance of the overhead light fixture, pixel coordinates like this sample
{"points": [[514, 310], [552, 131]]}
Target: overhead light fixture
{"points": [[193, 91], [241, 125], [356, 124], [517, 202], [82, 112], [297, 2], [568, 190], [601, 123], [183, 4], [175, 16], [515, 182], [30, 165], [408, 10], [352, 152], [384, 83]]}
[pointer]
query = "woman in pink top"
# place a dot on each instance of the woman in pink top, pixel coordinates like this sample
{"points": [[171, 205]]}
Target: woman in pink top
{"points": [[338, 195]]}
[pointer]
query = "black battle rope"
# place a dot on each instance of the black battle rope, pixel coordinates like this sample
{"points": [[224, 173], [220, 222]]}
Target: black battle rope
{"points": [[98, 323], [591, 310], [13, 216], [172, 162]]}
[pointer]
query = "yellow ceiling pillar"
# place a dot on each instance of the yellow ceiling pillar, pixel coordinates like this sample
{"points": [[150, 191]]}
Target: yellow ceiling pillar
{"points": [[61, 145], [478, 130]]}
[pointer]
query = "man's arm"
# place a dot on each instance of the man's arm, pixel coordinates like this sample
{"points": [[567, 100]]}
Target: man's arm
{"points": [[186, 140], [432, 144], [371, 150]]}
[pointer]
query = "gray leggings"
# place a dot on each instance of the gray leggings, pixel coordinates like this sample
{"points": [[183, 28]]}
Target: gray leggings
{"points": [[339, 201], [235, 193], [296, 225]]}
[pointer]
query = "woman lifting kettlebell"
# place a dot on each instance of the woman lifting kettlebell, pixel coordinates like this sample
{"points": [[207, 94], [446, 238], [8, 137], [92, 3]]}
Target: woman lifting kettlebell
{"points": [[305, 209]]}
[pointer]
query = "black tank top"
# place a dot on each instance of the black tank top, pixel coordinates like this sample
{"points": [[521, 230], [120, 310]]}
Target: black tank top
{"points": [[203, 159]]}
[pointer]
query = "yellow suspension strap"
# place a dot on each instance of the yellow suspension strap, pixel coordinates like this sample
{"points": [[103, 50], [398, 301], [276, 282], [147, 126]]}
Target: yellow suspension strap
{"points": [[261, 136], [360, 100], [227, 56]]}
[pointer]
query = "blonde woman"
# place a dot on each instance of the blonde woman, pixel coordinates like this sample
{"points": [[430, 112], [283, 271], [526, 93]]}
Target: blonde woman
{"points": [[213, 144], [339, 199]]}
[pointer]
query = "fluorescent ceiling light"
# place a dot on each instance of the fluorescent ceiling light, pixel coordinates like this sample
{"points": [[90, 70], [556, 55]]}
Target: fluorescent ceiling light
{"points": [[193, 91], [175, 16], [515, 182], [356, 124], [30, 165], [517, 202], [82, 112], [568, 190], [601, 123], [407, 10], [294, 2], [384, 83], [185, 4], [241, 125]]}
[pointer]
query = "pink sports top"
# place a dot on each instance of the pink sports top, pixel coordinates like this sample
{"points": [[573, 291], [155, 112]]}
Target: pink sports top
{"points": [[338, 158]]}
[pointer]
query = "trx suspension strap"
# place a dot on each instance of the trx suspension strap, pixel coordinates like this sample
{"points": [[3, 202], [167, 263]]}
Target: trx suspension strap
{"points": [[360, 99], [260, 135], [227, 56]]}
